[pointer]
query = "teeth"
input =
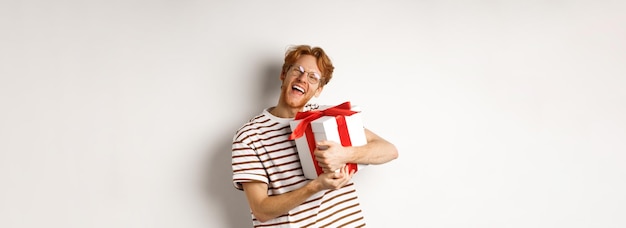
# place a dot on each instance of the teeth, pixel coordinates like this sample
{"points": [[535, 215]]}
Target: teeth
{"points": [[298, 88]]}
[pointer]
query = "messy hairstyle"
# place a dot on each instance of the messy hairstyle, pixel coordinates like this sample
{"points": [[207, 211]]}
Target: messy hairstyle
{"points": [[323, 61]]}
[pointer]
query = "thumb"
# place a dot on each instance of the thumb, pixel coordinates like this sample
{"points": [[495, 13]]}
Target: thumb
{"points": [[338, 175], [323, 145]]}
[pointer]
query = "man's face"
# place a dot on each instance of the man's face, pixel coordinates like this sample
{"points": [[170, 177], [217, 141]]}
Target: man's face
{"points": [[298, 88]]}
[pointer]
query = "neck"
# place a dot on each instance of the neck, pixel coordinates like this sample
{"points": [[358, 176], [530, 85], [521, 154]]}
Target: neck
{"points": [[284, 112]]}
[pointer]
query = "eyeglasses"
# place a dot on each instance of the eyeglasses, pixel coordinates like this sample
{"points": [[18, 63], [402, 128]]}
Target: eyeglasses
{"points": [[297, 71]]}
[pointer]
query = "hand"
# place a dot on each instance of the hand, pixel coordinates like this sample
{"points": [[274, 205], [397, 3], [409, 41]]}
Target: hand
{"points": [[331, 156], [335, 180]]}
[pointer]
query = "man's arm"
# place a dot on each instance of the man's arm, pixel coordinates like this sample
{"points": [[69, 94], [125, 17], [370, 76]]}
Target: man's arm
{"points": [[265, 207], [376, 151]]}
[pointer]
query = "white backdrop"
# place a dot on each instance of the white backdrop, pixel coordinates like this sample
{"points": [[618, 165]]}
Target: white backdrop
{"points": [[505, 113]]}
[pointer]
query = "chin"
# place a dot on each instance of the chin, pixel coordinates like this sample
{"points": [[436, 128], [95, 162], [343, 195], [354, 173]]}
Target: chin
{"points": [[296, 101]]}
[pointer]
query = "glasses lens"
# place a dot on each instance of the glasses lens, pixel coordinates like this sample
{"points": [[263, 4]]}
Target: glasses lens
{"points": [[314, 78], [294, 71]]}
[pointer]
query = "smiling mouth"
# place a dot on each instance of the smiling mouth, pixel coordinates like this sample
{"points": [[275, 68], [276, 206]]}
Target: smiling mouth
{"points": [[298, 88]]}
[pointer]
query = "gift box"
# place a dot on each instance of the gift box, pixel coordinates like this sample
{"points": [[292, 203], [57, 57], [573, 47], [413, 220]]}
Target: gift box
{"points": [[342, 124]]}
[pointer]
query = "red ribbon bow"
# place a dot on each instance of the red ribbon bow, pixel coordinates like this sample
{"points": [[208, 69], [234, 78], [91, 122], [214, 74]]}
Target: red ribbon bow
{"points": [[339, 111], [304, 127]]}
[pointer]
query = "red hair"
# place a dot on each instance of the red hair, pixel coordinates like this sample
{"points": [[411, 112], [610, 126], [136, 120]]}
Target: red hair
{"points": [[323, 61]]}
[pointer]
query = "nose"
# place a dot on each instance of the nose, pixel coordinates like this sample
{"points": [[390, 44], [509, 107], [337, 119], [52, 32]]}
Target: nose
{"points": [[300, 78]]}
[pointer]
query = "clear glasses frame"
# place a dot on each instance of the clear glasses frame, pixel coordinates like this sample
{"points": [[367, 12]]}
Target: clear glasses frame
{"points": [[297, 71]]}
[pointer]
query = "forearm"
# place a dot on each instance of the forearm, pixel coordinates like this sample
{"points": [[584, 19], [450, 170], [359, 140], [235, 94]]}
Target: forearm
{"points": [[376, 151], [269, 207]]}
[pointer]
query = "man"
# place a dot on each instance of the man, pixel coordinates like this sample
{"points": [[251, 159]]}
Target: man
{"points": [[266, 166]]}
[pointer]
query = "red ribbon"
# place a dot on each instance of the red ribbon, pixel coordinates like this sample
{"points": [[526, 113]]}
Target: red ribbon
{"points": [[304, 128]]}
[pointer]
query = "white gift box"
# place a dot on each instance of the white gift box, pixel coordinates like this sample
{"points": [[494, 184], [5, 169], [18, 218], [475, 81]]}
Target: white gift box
{"points": [[326, 128]]}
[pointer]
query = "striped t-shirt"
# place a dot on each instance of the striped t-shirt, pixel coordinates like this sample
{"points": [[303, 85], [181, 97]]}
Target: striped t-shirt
{"points": [[262, 152]]}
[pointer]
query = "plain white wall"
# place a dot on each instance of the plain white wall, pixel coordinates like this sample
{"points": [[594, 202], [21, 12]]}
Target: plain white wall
{"points": [[505, 113]]}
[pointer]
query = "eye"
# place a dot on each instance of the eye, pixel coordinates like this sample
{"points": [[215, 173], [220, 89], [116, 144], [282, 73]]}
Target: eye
{"points": [[313, 78]]}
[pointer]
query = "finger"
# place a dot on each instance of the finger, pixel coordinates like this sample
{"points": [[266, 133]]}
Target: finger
{"points": [[322, 143], [326, 169], [349, 173], [322, 146], [319, 154], [336, 170], [345, 180], [352, 172], [345, 169]]}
